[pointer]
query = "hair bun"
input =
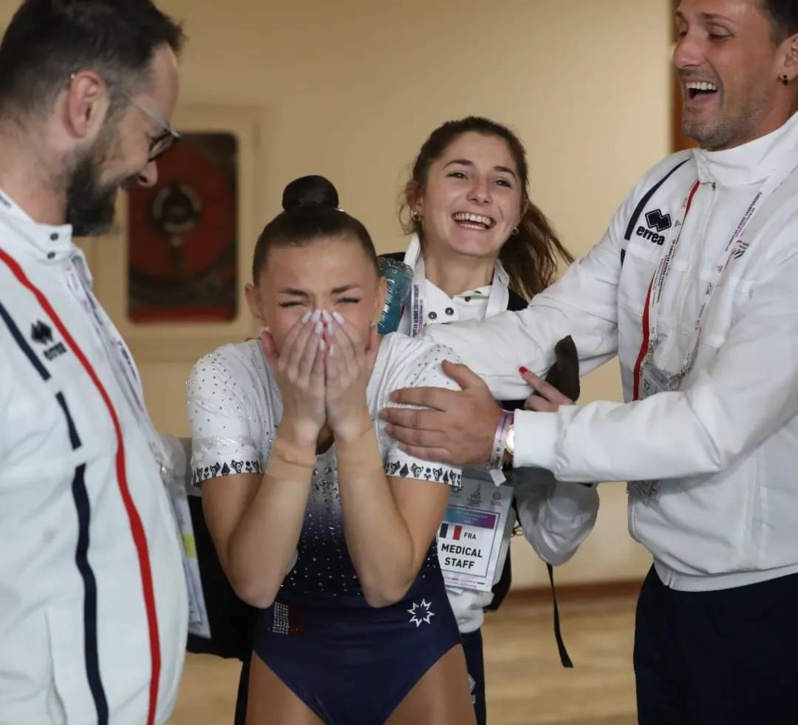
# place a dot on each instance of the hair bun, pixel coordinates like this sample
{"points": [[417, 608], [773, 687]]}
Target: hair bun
{"points": [[308, 191]]}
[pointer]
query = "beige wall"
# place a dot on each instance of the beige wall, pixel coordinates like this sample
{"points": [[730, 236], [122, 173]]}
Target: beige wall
{"points": [[351, 88]]}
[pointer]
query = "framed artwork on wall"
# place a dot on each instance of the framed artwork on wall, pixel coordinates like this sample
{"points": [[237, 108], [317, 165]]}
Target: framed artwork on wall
{"points": [[182, 235], [171, 274]]}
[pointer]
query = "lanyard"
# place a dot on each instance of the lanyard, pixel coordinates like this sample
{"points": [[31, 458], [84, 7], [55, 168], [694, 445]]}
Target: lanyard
{"points": [[121, 363], [733, 247], [117, 352], [497, 299], [417, 294]]}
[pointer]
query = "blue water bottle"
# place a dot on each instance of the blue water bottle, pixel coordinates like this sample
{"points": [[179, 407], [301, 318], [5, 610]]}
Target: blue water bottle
{"points": [[399, 281]]}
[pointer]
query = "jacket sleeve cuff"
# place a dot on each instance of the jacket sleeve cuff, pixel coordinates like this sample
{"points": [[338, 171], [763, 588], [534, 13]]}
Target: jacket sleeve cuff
{"points": [[535, 439]]}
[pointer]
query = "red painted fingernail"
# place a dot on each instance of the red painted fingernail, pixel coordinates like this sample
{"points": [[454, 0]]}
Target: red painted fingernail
{"points": [[523, 370]]}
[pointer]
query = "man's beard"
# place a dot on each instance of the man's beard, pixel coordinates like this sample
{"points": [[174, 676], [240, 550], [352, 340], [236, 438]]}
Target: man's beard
{"points": [[91, 203]]}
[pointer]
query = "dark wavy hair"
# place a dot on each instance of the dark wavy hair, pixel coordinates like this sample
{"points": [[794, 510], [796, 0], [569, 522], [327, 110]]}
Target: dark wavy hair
{"points": [[531, 257], [310, 213]]}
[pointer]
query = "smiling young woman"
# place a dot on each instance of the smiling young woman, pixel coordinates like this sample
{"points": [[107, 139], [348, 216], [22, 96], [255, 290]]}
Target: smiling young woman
{"points": [[479, 246]]}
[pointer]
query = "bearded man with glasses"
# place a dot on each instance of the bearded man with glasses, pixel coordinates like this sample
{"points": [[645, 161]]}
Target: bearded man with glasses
{"points": [[93, 603]]}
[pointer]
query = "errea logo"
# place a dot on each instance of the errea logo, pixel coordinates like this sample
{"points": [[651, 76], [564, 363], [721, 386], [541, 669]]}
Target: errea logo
{"points": [[42, 333], [656, 223]]}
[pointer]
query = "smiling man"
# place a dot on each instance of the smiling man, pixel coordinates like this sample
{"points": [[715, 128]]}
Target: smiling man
{"points": [[93, 608], [695, 287]]}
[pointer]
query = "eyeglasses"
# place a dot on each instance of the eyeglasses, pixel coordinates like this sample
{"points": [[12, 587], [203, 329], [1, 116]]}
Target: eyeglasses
{"points": [[164, 140]]}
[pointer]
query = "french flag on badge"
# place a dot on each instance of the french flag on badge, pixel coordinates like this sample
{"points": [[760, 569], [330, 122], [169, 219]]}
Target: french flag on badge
{"points": [[451, 531]]}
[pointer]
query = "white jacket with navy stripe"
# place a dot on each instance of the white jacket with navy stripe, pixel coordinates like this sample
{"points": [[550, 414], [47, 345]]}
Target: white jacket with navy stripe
{"points": [[93, 610], [725, 445]]}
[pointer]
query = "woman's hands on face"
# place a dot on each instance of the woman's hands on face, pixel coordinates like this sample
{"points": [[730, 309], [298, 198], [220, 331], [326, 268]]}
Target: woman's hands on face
{"points": [[348, 366], [323, 369], [298, 369]]}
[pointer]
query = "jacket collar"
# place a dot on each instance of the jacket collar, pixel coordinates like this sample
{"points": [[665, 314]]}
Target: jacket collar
{"points": [[50, 244], [752, 162], [413, 257]]}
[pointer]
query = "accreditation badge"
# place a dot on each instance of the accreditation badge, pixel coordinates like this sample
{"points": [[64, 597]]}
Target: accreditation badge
{"points": [[471, 539], [652, 381]]}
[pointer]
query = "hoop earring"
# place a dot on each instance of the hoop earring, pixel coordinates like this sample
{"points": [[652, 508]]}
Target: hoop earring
{"points": [[516, 231], [415, 216]]}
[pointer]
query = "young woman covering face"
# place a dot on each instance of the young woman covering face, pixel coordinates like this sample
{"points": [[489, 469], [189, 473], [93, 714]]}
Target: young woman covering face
{"points": [[318, 518]]}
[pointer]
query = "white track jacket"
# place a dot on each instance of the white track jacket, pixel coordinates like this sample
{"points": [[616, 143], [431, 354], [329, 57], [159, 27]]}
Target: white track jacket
{"points": [[93, 609], [724, 446]]}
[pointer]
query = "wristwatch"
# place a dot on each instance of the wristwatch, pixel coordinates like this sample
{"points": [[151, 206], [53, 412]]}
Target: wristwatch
{"points": [[509, 447], [509, 442]]}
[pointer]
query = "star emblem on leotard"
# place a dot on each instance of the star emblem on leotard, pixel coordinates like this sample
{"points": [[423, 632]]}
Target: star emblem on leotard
{"points": [[421, 613]]}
